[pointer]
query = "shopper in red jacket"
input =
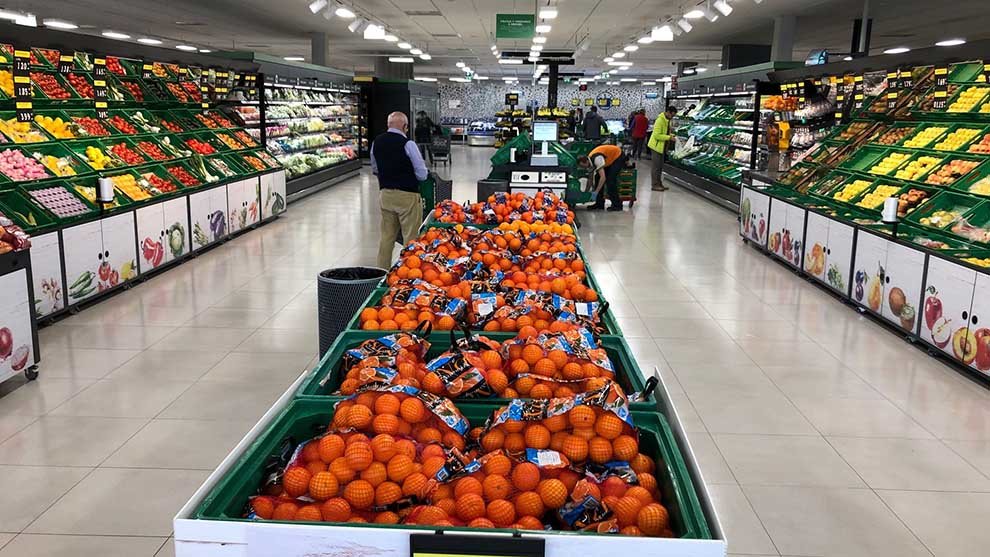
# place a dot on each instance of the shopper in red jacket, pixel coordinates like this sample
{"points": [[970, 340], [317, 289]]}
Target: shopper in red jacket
{"points": [[638, 132]]}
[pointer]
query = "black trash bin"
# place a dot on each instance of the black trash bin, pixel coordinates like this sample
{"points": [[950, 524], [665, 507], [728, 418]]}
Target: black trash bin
{"points": [[340, 293], [488, 187]]}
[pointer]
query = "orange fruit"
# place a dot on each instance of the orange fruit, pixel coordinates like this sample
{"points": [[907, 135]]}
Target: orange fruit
{"points": [[642, 463], [575, 449], [501, 512], [652, 519], [497, 381], [359, 417], [359, 455], [631, 531], [525, 476], [323, 486], [406, 447], [446, 323], [570, 479], [497, 464], [383, 447], [432, 465], [296, 481], [386, 517], [553, 492], [467, 485], [387, 403], [541, 391], [360, 494], [515, 443], [370, 325], [600, 450], [514, 426], [545, 367], [609, 425], [529, 523], [429, 514], [572, 371], [263, 507], [491, 359], [357, 519], [481, 523], [374, 474], [624, 447], [492, 440], [428, 435], [529, 503], [496, 487], [442, 491], [335, 510], [585, 433], [557, 440], [385, 423], [537, 436], [585, 488], [518, 366], [432, 450], [525, 384], [415, 484], [310, 452], [342, 470], [532, 353], [590, 369], [640, 493], [529, 331], [558, 357], [647, 481], [556, 423], [581, 416], [285, 511], [387, 493], [309, 513], [331, 447], [615, 486], [399, 467], [413, 411], [315, 468], [470, 506], [369, 314]]}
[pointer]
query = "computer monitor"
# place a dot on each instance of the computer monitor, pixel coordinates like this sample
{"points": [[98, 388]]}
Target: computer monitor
{"points": [[545, 130], [615, 127]]}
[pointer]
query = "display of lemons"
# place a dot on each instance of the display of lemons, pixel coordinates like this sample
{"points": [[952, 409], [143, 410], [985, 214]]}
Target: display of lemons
{"points": [[21, 132], [917, 168], [955, 140], [876, 197], [968, 98], [925, 136], [851, 190], [59, 128], [889, 163]]}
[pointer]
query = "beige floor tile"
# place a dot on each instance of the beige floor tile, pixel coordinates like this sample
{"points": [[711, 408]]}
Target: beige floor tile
{"points": [[40, 545], [29, 490], [728, 412], [262, 366], [830, 382], [633, 327], [742, 527], [787, 353], [203, 338], [742, 380], [121, 502], [297, 318], [219, 400], [11, 424], [85, 363], [976, 453], [68, 441], [119, 337], [179, 444], [713, 466], [693, 329], [950, 524], [742, 309], [123, 398], [168, 365], [34, 398], [859, 418], [168, 549], [785, 460], [256, 300], [774, 330], [671, 310], [915, 464], [233, 318], [710, 351], [282, 340], [5, 539], [831, 521]]}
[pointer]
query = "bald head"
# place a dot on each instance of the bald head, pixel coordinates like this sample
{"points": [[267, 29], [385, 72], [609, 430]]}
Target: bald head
{"points": [[398, 120]]}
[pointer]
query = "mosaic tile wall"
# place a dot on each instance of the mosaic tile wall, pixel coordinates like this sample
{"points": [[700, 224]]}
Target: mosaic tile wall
{"points": [[483, 100]]}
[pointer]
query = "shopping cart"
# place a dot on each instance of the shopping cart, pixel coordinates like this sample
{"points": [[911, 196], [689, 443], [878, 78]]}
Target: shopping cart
{"points": [[433, 190], [440, 149]]}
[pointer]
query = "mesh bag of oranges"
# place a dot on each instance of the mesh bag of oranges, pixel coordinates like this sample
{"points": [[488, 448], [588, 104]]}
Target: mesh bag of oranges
{"points": [[556, 364], [506, 207], [445, 241], [409, 303], [432, 267], [472, 368], [393, 359], [449, 211]]}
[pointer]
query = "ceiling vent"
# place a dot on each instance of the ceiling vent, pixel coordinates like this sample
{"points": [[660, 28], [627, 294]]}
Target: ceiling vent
{"points": [[423, 12]]}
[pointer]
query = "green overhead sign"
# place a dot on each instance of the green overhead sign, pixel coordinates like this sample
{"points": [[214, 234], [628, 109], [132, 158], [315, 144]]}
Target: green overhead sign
{"points": [[515, 26]]}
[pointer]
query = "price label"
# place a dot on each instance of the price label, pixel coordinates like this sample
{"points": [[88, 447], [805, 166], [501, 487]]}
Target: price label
{"points": [[101, 110], [183, 74], [99, 67], [147, 70], [23, 90], [942, 76], [100, 89], [65, 63], [941, 100], [907, 78], [891, 100]]}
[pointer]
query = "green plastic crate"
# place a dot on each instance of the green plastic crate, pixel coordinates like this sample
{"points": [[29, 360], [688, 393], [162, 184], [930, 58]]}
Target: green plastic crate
{"points": [[864, 158], [303, 419], [328, 374], [944, 201], [24, 211]]}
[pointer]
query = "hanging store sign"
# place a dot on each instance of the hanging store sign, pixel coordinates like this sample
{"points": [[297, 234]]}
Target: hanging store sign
{"points": [[858, 94], [515, 26], [512, 99]]}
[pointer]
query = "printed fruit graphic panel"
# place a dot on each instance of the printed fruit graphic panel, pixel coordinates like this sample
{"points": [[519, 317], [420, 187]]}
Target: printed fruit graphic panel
{"points": [[839, 256], [817, 239], [778, 225], [46, 272], [794, 250], [902, 285], [946, 310], [979, 323], [16, 341], [176, 222], [82, 247], [119, 248], [868, 271], [273, 194], [151, 235]]}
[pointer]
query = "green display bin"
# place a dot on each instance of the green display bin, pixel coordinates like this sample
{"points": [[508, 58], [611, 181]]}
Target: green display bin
{"points": [[864, 158], [176, 119], [62, 82], [24, 211], [911, 128], [958, 203], [79, 113], [326, 378], [965, 72], [921, 129], [980, 99], [93, 209], [952, 156], [976, 182], [980, 129], [61, 151], [303, 419], [930, 238], [86, 188], [914, 157], [25, 150], [11, 116]]}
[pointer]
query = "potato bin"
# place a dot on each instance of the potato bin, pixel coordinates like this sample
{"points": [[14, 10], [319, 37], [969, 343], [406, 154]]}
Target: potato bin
{"points": [[326, 378], [212, 521]]}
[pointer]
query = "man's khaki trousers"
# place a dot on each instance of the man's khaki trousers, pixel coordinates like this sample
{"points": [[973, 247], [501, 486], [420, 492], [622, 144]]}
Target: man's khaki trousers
{"points": [[401, 211]]}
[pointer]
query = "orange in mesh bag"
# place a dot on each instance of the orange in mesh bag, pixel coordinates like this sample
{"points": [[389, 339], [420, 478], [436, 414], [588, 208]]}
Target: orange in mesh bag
{"points": [[557, 364]]}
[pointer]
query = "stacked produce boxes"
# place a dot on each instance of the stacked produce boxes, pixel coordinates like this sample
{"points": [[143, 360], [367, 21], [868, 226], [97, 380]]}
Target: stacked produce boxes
{"points": [[574, 450]]}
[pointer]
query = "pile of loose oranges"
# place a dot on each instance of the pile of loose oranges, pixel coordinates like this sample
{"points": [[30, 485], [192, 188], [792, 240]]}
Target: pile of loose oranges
{"points": [[507, 207], [388, 458]]}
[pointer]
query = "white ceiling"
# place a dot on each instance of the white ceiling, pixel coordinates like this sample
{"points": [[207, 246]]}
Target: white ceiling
{"points": [[453, 30]]}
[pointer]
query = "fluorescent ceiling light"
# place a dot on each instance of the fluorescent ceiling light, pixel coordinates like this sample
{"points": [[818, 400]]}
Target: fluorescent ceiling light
{"points": [[543, 28], [121, 36], [480, 78], [27, 20], [374, 32], [695, 14], [317, 5], [404, 46], [510, 79], [897, 50], [847, 59], [60, 24], [548, 13], [512, 61], [689, 71], [720, 64], [619, 63], [390, 38], [425, 56], [701, 70], [185, 47], [536, 47], [430, 79], [649, 83], [947, 42], [631, 48], [685, 25], [460, 64], [415, 51], [645, 39], [623, 68], [146, 40], [205, 50], [662, 33], [459, 79], [619, 54], [294, 58], [665, 79], [723, 7], [344, 13], [628, 79], [539, 40], [401, 59], [608, 59]]}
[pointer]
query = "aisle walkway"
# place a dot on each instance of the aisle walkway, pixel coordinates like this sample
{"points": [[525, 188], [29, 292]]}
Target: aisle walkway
{"points": [[818, 432]]}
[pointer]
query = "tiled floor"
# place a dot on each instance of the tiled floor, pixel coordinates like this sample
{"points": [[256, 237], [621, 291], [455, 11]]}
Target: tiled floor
{"points": [[819, 432]]}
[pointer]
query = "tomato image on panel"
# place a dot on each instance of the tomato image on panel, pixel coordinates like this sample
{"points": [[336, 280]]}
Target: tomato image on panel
{"points": [[119, 250], [903, 278], [815, 258], [868, 271], [979, 324], [839, 256], [945, 313], [151, 236], [46, 273]]}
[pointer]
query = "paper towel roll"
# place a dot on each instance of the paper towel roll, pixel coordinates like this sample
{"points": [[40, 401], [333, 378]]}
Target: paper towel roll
{"points": [[890, 209]]}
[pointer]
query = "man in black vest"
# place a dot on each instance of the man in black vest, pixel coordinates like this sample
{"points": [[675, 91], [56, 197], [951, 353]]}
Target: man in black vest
{"points": [[397, 162]]}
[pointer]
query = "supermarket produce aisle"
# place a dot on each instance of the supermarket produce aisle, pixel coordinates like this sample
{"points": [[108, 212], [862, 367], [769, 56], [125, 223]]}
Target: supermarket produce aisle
{"points": [[818, 433]]}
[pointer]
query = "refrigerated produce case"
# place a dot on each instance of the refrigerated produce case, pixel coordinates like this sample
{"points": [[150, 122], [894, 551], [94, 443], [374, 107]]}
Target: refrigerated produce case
{"points": [[919, 137]]}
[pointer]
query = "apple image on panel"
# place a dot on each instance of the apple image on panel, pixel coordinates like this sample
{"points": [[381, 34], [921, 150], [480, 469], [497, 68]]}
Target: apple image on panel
{"points": [[942, 332], [982, 337]]}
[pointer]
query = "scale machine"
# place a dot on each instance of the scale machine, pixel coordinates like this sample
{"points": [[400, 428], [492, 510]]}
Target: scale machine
{"points": [[534, 179]]}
